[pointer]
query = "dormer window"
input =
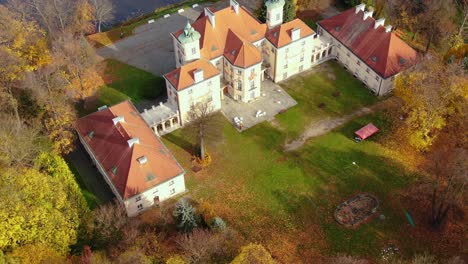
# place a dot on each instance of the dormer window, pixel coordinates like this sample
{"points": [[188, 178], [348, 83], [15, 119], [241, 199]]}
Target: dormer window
{"points": [[402, 61], [91, 134], [114, 170]]}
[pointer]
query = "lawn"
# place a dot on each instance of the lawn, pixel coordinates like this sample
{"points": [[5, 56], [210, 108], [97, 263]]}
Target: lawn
{"points": [[286, 200], [325, 91], [122, 82]]}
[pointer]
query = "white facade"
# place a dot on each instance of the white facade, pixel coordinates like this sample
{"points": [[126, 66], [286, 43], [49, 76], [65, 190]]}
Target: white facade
{"points": [[356, 66], [208, 90], [244, 83], [138, 203], [274, 16]]}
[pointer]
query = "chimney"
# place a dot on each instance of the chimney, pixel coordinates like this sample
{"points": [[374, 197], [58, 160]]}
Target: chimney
{"points": [[133, 141], [211, 16], [379, 22], [388, 28], [360, 7], [118, 119], [142, 160], [198, 75], [295, 34], [367, 14], [235, 5]]}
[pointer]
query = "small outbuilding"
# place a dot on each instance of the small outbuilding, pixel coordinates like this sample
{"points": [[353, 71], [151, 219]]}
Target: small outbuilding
{"points": [[366, 132]]}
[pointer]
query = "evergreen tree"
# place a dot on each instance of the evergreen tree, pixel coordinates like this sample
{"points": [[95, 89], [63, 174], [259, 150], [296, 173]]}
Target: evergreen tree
{"points": [[185, 215], [289, 11], [262, 12]]}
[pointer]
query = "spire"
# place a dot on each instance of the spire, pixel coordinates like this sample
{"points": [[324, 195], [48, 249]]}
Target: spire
{"points": [[188, 29]]}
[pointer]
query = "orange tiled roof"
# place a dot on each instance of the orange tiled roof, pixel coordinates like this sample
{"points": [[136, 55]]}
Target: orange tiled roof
{"points": [[240, 52], [384, 52], [108, 143], [183, 77], [213, 39], [280, 36]]}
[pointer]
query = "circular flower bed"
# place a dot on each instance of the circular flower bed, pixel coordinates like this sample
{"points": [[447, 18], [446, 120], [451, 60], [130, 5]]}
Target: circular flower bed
{"points": [[356, 210]]}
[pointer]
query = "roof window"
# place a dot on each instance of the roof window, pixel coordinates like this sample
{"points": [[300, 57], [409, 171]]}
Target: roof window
{"points": [[338, 28], [91, 134], [275, 34], [114, 170], [150, 176], [402, 61], [253, 32], [142, 160], [374, 58]]}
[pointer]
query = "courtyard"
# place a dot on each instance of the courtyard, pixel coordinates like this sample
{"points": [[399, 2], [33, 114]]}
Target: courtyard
{"points": [[273, 100]]}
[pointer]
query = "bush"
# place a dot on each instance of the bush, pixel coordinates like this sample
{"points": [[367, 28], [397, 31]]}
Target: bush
{"points": [[185, 216], [218, 223]]}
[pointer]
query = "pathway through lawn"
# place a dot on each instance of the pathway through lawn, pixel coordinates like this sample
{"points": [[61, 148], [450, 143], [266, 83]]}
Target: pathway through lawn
{"points": [[324, 126]]}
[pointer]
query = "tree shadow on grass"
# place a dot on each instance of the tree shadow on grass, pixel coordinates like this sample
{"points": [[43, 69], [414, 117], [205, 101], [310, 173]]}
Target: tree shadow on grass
{"points": [[180, 141]]}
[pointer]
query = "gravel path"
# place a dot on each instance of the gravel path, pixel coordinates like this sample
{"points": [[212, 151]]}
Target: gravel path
{"points": [[326, 125]]}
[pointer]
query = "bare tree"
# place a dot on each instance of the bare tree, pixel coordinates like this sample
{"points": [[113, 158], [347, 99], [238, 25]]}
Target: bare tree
{"points": [[103, 12], [464, 7], [203, 126], [18, 144]]}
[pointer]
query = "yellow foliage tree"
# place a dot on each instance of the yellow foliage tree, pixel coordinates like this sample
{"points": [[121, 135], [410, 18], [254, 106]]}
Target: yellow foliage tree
{"points": [[253, 254], [432, 92], [176, 259], [36, 253], [36, 209]]}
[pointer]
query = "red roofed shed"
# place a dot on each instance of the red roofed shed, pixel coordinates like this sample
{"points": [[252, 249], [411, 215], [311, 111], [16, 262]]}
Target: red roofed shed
{"points": [[366, 131]]}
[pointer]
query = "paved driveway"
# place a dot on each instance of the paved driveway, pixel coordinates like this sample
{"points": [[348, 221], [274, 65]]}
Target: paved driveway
{"points": [[150, 47]]}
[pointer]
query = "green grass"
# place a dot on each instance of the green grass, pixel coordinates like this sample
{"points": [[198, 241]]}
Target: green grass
{"points": [[312, 89], [124, 82], [133, 82], [261, 190]]}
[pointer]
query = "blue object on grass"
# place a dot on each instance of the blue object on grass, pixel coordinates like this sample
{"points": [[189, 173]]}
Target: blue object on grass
{"points": [[410, 219]]}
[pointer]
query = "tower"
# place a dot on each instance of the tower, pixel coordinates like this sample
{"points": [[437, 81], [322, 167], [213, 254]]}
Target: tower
{"points": [[189, 49], [274, 16]]}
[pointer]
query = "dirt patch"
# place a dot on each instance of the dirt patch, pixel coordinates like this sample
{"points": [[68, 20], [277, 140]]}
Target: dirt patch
{"points": [[331, 76], [326, 125]]}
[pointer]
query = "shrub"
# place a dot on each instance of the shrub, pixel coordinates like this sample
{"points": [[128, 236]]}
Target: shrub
{"points": [[185, 216], [218, 223]]}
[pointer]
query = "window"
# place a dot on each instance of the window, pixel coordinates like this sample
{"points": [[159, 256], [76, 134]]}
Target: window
{"points": [[348, 54], [239, 97], [277, 16], [358, 62], [140, 207], [339, 46], [286, 66], [252, 84], [190, 91], [252, 71], [303, 43], [172, 191], [138, 198], [367, 70], [301, 68], [239, 72], [209, 83], [171, 183], [155, 191], [287, 49], [272, 49], [377, 78], [239, 86], [285, 75], [194, 50], [302, 58]]}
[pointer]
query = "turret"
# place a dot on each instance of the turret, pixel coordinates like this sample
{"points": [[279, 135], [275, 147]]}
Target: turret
{"points": [[274, 15], [190, 44]]}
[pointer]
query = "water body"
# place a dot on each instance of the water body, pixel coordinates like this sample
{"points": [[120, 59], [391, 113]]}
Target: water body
{"points": [[126, 9]]}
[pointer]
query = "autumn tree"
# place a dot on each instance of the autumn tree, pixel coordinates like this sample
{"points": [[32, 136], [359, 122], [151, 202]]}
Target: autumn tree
{"points": [[57, 16], [19, 143], [110, 226], [103, 12], [78, 61], [253, 253], [203, 126], [35, 209], [432, 92]]}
